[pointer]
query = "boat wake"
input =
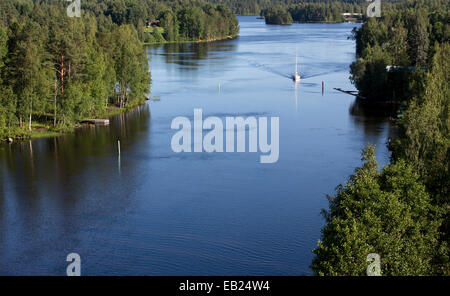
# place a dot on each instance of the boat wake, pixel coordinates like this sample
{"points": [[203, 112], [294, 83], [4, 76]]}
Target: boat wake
{"points": [[270, 70], [267, 69], [306, 76], [303, 75]]}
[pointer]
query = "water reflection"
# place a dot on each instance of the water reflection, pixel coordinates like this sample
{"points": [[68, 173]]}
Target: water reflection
{"points": [[192, 56], [362, 107], [156, 212], [296, 85], [61, 157], [46, 192], [373, 119]]}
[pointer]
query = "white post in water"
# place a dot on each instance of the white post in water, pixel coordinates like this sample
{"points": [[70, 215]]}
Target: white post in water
{"points": [[118, 158]]}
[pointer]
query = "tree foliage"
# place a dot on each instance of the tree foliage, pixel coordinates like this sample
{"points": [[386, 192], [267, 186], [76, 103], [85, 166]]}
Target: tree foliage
{"points": [[57, 70], [178, 20], [406, 34], [277, 16], [389, 213], [310, 10], [87, 64], [425, 140], [402, 212]]}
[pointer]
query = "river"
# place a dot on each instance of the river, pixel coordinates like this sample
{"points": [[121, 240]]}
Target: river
{"points": [[152, 211]]}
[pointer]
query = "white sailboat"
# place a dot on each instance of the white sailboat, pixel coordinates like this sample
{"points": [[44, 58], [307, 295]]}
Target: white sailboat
{"points": [[296, 77]]}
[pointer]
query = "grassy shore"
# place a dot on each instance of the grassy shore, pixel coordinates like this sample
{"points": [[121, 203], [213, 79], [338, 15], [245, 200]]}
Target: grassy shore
{"points": [[191, 41], [46, 130]]}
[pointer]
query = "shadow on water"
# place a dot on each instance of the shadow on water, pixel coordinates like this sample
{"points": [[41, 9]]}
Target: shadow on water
{"points": [[373, 118], [363, 107], [68, 149], [190, 56], [49, 195]]}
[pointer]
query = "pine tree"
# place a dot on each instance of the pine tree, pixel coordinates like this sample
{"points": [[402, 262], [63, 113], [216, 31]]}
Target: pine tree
{"points": [[419, 42], [130, 66], [26, 58]]}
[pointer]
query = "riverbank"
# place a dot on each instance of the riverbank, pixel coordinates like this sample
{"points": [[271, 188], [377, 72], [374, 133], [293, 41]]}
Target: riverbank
{"points": [[193, 41], [46, 130], [319, 22]]}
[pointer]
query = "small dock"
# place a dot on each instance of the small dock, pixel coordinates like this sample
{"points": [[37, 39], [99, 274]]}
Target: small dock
{"points": [[96, 121], [349, 92]]}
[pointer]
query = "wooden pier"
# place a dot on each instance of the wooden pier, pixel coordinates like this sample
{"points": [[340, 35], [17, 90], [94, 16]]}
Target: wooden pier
{"points": [[96, 121], [349, 92]]}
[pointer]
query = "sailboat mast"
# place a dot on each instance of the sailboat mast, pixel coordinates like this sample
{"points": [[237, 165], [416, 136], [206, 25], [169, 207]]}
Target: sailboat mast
{"points": [[296, 76]]}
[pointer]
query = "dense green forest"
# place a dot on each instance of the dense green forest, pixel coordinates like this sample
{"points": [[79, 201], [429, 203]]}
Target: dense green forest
{"points": [[330, 12], [325, 12], [255, 7], [402, 211], [395, 51], [277, 16], [56, 70], [183, 20]]}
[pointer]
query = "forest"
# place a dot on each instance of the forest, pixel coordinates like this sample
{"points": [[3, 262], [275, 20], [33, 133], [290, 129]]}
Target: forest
{"points": [[394, 52], [170, 21], [325, 12], [277, 16], [90, 66], [257, 7], [314, 12], [400, 211]]}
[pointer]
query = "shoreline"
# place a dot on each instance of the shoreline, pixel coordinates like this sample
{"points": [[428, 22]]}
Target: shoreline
{"points": [[192, 41], [42, 132], [324, 22], [45, 132]]}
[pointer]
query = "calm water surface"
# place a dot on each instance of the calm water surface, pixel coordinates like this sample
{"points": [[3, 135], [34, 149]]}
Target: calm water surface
{"points": [[155, 212]]}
